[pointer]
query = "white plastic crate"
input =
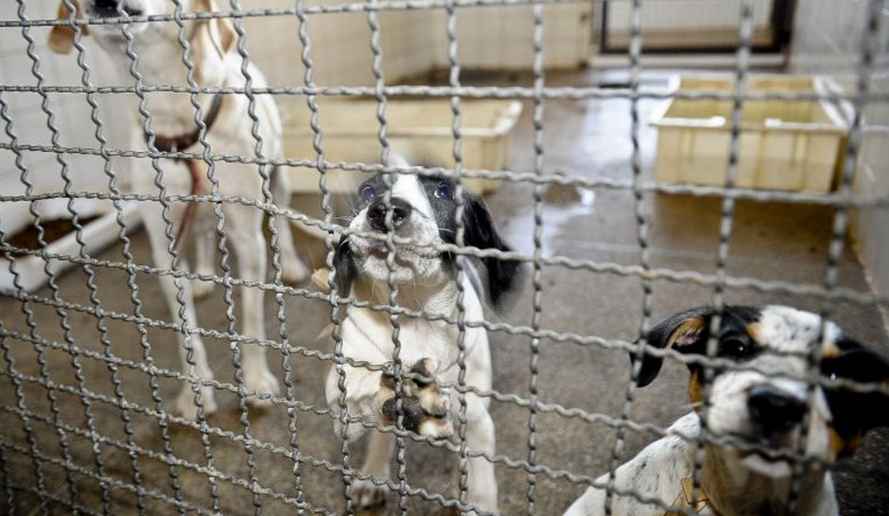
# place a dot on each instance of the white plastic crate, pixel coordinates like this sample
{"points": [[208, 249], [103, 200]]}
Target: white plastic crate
{"points": [[419, 129], [784, 145], [97, 235]]}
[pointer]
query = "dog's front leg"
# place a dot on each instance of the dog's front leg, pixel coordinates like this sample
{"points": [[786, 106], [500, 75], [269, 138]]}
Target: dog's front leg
{"points": [[482, 488], [370, 493], [205, 239], [361, 399], [191, 348], [245, 235], [293, 270]]}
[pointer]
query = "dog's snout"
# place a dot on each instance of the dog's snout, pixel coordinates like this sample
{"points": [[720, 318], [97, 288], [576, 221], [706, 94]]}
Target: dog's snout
{"points": [[774, 410], [106, 7], [376, 213], [113, 8]]}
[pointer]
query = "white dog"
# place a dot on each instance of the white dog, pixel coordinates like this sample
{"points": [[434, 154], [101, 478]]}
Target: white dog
{"points": [[422, 210], [217, 64], [763, 407]]}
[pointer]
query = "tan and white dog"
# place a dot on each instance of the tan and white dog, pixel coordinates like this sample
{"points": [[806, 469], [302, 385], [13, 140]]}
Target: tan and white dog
{"points": [[229, 131], [423, 210], [766, 407]]}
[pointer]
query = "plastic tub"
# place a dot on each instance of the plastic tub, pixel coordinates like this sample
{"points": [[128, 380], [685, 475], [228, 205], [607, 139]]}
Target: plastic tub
{"points": [[784, 145], [97, 235], [419, 129]]}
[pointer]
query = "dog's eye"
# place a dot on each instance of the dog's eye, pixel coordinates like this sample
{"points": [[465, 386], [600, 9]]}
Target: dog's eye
{"points": [[736, 347], [443, 191], [367, 193]]}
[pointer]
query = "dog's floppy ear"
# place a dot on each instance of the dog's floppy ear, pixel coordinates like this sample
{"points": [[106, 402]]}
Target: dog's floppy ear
{"points": [[61, 37], [480, 232], [685, 332], [855, 412], [344, 267], [212, 40]]}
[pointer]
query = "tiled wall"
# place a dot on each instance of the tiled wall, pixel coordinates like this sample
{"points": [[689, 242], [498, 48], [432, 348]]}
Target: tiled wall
{"points": [[827, 39]]}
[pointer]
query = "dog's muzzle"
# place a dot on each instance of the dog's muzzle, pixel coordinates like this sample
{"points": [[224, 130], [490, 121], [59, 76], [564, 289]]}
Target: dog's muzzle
{"points": [[376, 213], [774, 411], [113, 8]]}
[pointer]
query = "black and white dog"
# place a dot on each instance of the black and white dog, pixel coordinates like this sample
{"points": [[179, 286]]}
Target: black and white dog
{"points": [[766, 407], [423, 210]]}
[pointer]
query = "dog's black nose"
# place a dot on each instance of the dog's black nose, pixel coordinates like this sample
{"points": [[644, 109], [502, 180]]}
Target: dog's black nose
{"points": [[773, 410], [112, 8], [106, 7], [376, 213]]}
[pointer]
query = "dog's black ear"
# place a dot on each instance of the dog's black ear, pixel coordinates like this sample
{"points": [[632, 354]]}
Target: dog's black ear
{"points": [[854, 412], [344, 267], [685, 332], [480, 232]]}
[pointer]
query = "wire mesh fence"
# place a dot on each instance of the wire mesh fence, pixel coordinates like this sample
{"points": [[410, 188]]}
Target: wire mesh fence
{"points": [[93, 426]]}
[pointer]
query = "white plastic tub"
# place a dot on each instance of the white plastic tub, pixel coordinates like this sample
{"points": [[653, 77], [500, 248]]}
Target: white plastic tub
{"points": [[784, 145], [416, 128], [97, 235]]}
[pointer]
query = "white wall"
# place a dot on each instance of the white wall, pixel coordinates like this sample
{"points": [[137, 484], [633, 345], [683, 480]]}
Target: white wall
{"points": [[413, 42], [827, 39], [30, 122], [672, 23], [686, 14]]}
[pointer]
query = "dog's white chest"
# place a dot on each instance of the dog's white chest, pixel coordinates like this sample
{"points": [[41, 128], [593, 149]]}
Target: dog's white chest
{"points": [[368, 336], [417, 339]]}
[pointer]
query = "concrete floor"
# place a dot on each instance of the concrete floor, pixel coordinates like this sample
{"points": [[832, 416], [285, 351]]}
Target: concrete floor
{"points": [[584, 138]]}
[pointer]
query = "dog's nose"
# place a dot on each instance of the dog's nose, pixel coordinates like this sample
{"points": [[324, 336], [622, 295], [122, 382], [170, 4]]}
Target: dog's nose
{"points": [[376, 213], [106, 7], [774, 410], [111, 8]]}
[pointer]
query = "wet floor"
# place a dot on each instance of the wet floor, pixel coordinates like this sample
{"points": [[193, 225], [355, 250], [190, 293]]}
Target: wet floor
{"points": [[582, 138]]}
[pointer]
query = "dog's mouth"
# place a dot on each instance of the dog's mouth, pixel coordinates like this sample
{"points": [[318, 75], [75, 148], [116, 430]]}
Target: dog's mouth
{"points": [[765, 444], [378, 249], [769, 455], [748, 443], [773, 468], [382, 253], [112, 36]]}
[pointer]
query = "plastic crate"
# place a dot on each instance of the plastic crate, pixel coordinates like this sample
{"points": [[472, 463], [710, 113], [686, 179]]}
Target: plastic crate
{"points": [[784, 145], [418, 129]]}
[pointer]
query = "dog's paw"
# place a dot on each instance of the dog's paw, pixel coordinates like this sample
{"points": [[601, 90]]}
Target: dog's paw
{"points": [[368, 496], [186, 406], [261, 384], [424, 405]]}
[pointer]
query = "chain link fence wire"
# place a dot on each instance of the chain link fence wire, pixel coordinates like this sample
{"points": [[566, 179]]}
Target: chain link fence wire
{"points": [[57, 458]]}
